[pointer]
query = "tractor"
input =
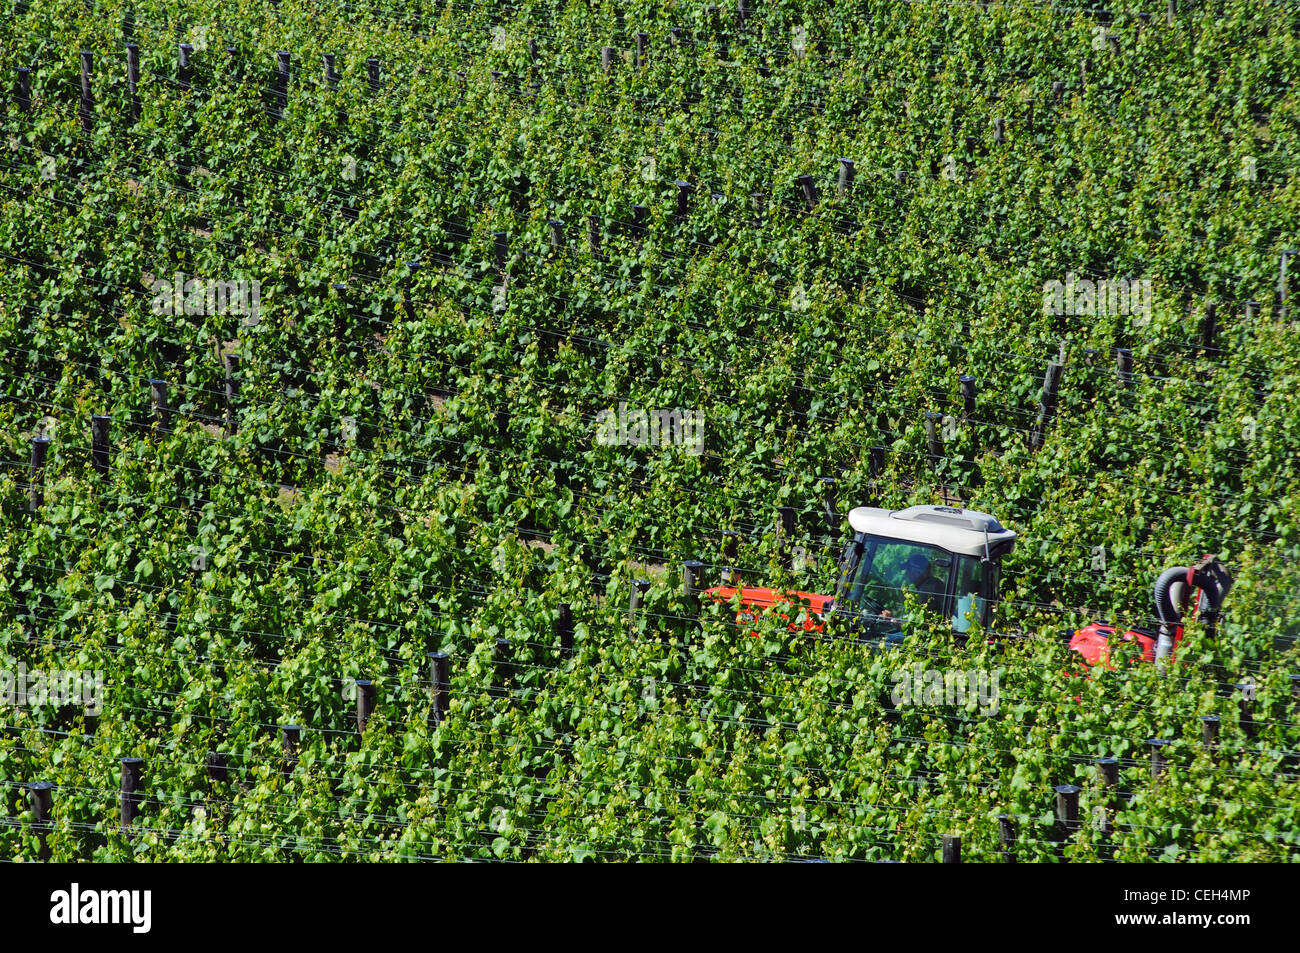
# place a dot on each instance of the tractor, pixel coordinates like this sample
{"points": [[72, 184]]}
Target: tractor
{"points": [[948, 558]]}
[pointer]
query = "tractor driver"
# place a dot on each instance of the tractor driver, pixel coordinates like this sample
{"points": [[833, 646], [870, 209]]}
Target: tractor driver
{"points": [[916, 570]]}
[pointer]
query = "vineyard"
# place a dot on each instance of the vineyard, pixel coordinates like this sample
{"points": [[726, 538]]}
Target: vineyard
{"points": [[334, 339]]}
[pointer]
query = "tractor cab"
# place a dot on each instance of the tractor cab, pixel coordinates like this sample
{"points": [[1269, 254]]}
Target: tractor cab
{"points": [[949, 559]]}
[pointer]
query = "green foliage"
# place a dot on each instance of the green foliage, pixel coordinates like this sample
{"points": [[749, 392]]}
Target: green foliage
{"points": [[230, 583]]}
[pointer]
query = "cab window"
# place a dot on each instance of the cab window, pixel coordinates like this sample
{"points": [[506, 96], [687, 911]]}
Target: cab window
{"points": [[889, 568], [976, 580]]}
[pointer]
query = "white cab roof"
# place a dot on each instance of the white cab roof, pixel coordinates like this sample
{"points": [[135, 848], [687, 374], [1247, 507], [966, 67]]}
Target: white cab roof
{"points": [[949, 528]]}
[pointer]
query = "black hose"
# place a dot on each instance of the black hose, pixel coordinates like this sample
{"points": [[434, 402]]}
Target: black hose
{"points": [[1213, 579]]}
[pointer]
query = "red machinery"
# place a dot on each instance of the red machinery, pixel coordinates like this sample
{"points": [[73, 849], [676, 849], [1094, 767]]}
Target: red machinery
{"points": [[1202, 586]]}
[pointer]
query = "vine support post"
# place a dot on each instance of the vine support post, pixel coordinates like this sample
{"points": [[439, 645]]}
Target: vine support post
{"points": [[638, 591], [607, 56], [290, 740], [161, 412], [131, 798], [1058, 92], [36, 492], [1124, 365], [642, 45], [1282, 307], [999, 131], [1210, 733], [1246, 707], [342, 318], [40, 798], [1171, 10], [501, 251], [408, 304], [968, 393], [500, 668], [99, 442], [230, 362], [557, 234], [1046, 405], [372, 74], [281, 83], [829, 508], [847, 171], [952, 848], [809, 188], [785, 532], [1108, 772], [87, 98], [23, 89], [1159, 760], [684, 190], [1209, 328], [564, 629], [1067, 810], [183, 53], [366, 696], [218, 767], [730, 545], [692, 576], [1007, 838], [933, 440], [440, 687]]}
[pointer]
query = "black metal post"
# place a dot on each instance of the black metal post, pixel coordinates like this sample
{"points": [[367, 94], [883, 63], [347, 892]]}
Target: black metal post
{"points": [[132, 799], [40, 797], [231, 365], [99, 442], [847, 171], [183, 54], [161, 412], [1158, 760], [638, 590], [967, 383], [440, 687], [564, 628], [1124, 365], [87, 99], [36, 492], [1007, 836], [951, 849], [23, 89], [290, 738], [366, 693]]}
